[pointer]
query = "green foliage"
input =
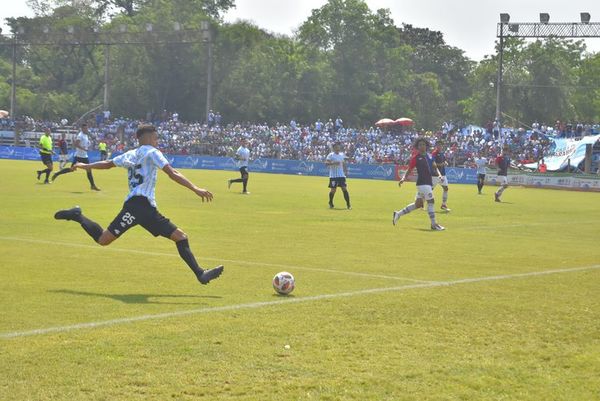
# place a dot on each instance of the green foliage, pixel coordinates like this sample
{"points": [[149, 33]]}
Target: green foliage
{"points": [[346, 60]]}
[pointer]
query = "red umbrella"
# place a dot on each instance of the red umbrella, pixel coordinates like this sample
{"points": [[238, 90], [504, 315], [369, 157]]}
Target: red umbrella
{"points": [[404, 121], [384, 121]]}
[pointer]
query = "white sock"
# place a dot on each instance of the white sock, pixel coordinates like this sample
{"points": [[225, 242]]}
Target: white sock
{"points": [[407, 209], [444, 197], [431, 212]]}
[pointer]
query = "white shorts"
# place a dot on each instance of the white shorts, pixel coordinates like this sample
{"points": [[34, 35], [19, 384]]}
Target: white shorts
{"points": [[502, 180], [424, 192], [443, 181]]}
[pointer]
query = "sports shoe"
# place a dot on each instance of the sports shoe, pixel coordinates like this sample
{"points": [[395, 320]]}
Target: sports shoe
{"points": [[349, 207], [437, 227], [496, 198], [445, 208], [210, 274], [395, 217], [228, 184], [331, 205], [245, 193], [68, 214], [95, 188]]}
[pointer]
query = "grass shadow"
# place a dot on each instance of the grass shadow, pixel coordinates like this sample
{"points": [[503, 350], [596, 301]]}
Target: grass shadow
{"points": [[137, 298]]}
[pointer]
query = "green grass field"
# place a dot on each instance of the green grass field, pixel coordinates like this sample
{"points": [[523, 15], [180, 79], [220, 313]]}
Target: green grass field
{"points": [[503, 305]]}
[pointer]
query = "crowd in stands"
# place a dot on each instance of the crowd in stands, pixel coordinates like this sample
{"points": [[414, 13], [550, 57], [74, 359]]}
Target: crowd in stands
{"points": [[313, 142]]}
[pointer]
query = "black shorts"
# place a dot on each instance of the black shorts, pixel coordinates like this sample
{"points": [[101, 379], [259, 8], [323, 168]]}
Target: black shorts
{"points": [[481, 177], [244, 170], [46, 158], [337, 182], [138, 210], [76, 159]]}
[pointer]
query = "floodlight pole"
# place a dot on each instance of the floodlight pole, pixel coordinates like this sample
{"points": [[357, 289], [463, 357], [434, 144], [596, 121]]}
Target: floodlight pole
{"points": [[13, 84], [499, 81], [209, 79], [106, 76]]}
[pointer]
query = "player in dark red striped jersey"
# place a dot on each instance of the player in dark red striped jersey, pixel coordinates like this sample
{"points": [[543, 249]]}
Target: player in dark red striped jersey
{"points": [[502, 163], [424, 164], [440, 160]]}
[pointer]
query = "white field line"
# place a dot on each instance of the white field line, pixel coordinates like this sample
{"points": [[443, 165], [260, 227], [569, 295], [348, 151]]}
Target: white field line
{"points": [[256, 305], [219, 260], [547, 223]]}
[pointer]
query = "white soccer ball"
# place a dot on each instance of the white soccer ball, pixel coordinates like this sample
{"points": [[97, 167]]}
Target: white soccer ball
{"points": [[283, 283]]}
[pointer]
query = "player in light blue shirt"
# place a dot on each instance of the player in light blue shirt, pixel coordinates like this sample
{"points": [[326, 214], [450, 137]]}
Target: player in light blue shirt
{"points": [[242, 155], [336, 161], [82, 144], [142, 165], [480, 163]]}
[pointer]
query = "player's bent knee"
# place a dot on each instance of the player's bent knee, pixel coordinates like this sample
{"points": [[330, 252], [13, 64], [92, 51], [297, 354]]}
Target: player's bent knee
{"points": [[106, 238], [178, 235]]}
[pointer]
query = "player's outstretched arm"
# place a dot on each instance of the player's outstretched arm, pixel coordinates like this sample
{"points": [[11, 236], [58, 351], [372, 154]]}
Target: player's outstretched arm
{"points": [[103, 165], [182, 180]]}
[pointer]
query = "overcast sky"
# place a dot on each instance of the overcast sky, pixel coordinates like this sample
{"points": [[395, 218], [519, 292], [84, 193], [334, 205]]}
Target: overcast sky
{"points": [[467, 24]]}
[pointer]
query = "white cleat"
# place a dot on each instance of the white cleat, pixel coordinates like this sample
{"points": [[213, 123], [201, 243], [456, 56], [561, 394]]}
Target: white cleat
{"points": [[395, 217], [437, 227], [245, 193], [445, 208]]}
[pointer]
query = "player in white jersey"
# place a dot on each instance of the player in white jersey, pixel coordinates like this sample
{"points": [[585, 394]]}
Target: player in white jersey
{"points": [[82, 144], [336, 161], [242, 155], [140, 204], [480, 164]]}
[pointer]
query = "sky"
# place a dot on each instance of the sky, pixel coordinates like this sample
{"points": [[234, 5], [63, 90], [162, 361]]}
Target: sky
{"points": [[467, 24]]}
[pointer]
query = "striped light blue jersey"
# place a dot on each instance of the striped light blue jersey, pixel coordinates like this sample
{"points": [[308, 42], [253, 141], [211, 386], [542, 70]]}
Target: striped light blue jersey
{"points": [[143, 164], [336, 170], [243, 155], [481, 162]]}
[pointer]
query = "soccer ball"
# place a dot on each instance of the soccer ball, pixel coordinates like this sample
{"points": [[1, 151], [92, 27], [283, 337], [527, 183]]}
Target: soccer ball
{"points": [[283, 283]]}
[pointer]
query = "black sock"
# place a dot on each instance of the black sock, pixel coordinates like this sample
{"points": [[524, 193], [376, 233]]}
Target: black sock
{"points": [[63, 171], [237, 180], [245, 183], [91, 227], [90, 178], [186, 254], [331, 195], [347, 198], [48, 173]]}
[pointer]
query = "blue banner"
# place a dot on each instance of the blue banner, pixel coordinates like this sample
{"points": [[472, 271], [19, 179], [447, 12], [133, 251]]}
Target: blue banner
{"points": [[296, 167]]}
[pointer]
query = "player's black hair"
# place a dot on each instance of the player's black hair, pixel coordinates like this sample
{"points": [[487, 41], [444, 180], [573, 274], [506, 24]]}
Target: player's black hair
{"points": [[144, 129], [416, 145]]}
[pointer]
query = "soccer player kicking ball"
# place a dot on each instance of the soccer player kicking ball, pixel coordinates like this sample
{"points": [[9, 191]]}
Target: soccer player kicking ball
{"points": [[502, 163], [424, 164], [336, 161], [140, 205], [440, 160]]}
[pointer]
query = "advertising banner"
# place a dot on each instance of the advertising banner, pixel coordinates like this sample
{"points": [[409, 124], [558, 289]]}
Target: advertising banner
{"points": [[565, 149]]}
